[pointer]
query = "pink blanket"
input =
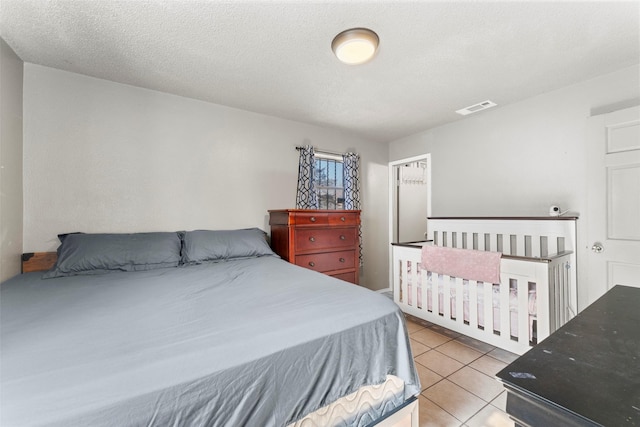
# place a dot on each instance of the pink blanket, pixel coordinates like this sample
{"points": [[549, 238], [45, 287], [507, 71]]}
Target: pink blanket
{"points": [[482, 266]]}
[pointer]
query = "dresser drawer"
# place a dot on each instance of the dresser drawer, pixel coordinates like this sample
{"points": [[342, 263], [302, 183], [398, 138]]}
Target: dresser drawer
{"points": [[328, 261], [310, 239], [311, 218], [347, 277], [346, 218]]}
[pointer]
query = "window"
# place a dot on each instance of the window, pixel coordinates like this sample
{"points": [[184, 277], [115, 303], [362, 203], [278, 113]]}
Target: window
{"points": [[329, 181]]}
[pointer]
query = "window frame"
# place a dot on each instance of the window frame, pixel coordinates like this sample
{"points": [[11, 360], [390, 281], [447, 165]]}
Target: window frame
{"points": [[338, 202]]}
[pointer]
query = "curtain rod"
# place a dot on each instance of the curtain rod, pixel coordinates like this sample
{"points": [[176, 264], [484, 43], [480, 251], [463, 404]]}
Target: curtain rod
{"points": [[321, 151]]}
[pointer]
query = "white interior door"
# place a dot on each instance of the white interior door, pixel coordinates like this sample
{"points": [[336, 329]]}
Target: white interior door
{"points": [[613, 201]]}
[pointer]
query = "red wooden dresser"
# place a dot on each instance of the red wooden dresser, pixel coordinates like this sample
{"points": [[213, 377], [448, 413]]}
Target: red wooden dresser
{"points": [[321, 240]]}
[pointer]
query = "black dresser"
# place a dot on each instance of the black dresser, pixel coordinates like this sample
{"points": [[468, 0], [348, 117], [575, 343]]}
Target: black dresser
{"points": [[587, 373]]}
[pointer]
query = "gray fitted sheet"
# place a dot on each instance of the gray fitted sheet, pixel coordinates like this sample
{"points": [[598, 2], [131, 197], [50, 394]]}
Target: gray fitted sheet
{"points": [[247, 342]]}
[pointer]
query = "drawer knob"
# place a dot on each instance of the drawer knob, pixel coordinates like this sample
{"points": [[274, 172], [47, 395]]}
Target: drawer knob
{"points": [[312, 239], [312, 219], [312, 264], [342, 237], [342, 260], [343, 219]]}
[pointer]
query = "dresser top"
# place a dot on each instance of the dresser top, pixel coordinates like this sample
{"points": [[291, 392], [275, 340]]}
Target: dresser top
{"points": [[314, 210], [591, 365]]}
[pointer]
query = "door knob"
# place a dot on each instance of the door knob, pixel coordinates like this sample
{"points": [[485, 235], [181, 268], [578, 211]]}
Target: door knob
{"points": [[597, 247]]}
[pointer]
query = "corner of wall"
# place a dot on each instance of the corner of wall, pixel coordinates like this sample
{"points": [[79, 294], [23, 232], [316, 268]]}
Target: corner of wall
{"points": [[11, 189]]}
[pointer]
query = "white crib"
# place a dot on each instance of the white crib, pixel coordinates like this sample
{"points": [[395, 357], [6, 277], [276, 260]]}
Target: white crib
{"points": [[536, 294]]}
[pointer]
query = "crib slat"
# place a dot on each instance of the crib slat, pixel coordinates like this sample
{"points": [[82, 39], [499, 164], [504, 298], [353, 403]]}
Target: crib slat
{"points": [[520, 245], [561, 302], [505, 312], [422, 290], [398, 278], [535, 246], [523, 311], [459, 306], [414, 284], [405, 282], [473, 305], [488, 308], [459, 243], [571, 310], [506, 244], [553, 244], [493, 242], [543, 296], [428, 284], [446, 297]]}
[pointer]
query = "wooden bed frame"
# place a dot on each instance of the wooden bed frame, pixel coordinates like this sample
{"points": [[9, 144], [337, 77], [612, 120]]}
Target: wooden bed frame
{"points": [[38, 261]]}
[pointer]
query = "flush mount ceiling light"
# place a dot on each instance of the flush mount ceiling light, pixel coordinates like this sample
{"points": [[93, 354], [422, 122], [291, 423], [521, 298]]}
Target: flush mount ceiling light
{"points": [[355, 46]]}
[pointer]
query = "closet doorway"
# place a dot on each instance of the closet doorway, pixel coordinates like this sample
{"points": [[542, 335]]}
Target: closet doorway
{"points": [[410, 198]]}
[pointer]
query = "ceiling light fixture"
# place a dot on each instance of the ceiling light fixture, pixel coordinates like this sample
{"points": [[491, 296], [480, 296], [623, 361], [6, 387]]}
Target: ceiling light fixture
{"points": [[355, 46]]}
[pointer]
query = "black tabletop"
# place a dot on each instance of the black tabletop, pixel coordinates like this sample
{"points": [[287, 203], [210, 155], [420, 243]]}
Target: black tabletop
{"points": [[591, 366]]}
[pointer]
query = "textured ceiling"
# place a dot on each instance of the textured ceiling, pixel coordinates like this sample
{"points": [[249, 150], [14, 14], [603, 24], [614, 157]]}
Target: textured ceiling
{"points": [[274, 57]]}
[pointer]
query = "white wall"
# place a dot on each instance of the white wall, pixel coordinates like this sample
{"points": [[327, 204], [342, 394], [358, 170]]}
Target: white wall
{"points": [[11, 68], [106, 157], [521, 158]]}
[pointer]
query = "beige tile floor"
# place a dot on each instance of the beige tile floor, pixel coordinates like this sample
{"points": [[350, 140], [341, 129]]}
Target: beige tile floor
{"points": [[457, 377]]}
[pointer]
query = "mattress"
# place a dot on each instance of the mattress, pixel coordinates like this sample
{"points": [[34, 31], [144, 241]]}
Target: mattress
{"points": [[246, 342]]}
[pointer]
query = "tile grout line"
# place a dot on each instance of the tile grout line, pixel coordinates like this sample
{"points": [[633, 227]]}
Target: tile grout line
{"points": [[434, 403], [458, 419], [481, 353]]}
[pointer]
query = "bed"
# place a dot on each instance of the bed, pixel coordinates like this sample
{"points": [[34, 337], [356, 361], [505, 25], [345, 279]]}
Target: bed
{"points": [[122, 331]]}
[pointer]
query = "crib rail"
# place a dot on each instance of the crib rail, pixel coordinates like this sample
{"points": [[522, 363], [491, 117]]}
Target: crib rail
{"points": [[514, 322], [528, 237]]}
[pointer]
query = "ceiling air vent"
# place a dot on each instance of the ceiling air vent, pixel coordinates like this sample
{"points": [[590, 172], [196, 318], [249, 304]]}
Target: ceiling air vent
{"points": [[476, 107]]}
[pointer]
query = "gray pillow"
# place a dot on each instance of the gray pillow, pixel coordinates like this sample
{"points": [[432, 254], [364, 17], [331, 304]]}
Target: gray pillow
{"points": [[218, 245], [87, 254]]}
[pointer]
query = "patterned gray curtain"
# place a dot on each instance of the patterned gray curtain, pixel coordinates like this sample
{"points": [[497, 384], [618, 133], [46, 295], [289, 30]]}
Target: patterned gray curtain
{"points": [[306, 197], [351, 162]]}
